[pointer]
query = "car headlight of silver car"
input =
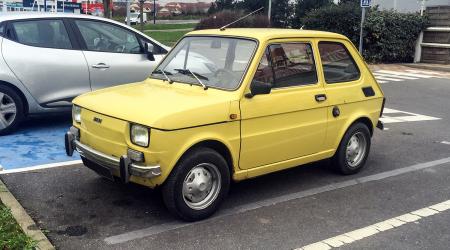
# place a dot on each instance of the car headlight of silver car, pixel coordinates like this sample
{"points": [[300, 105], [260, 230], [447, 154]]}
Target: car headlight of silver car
{"points": [[140, 135], [76, 113]]}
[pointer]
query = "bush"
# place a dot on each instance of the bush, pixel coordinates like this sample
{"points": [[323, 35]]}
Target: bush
{"points": [[225, 17], [389, 36]]}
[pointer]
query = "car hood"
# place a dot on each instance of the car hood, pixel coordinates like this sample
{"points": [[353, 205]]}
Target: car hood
{"points": [[159, 104]]}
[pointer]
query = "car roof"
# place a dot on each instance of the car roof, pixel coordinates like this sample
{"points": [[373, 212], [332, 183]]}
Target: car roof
{"points": [[30, 15], [262, 34]]}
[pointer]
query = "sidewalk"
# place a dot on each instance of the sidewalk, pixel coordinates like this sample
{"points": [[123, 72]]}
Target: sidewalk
{"points": [[444, 70]]}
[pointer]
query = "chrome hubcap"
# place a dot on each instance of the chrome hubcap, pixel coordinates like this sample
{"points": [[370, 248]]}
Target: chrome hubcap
{"points": [[8, 110], [356, 149], [201, 186]]}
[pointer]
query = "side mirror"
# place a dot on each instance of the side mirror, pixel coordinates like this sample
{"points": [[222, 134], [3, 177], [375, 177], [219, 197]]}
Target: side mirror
{"points": [[259, 88], [149, 51]]}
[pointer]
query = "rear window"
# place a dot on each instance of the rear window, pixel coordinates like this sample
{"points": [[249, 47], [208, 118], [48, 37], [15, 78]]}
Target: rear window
{"points": [[2, 29], [42, 33], [338, 65]]}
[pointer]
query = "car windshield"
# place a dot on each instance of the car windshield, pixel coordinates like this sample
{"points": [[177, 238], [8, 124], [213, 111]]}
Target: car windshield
{"points": [[133, 15], [217, 61]]}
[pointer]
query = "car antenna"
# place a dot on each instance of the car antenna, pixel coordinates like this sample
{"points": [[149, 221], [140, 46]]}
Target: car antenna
{"points": [[249, 14]]}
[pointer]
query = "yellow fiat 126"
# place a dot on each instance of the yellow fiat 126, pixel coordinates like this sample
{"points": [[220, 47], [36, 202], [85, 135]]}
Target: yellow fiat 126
{"points": [[231, 104]]}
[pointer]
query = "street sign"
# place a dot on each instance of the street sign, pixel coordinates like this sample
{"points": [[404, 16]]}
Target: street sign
{"points": [[365, 3]]}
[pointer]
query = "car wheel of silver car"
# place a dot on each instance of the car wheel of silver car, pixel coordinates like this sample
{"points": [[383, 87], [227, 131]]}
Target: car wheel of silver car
{"points": [[11, 110], [353, 150], [197, 185]]}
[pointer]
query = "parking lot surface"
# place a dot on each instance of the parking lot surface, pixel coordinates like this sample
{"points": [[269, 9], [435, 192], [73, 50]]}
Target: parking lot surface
{"points": [[408, 169]]}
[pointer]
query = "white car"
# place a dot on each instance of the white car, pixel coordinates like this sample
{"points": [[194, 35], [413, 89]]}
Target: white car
{"points": [[135, 18], [47, 59]]}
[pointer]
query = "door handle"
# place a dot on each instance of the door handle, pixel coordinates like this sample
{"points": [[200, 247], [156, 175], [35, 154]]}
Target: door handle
{"points": [[100, 66], [321, 97]]}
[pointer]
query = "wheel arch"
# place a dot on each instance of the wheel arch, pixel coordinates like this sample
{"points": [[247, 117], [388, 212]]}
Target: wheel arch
{"points": [[217, 146], [19, 92]]}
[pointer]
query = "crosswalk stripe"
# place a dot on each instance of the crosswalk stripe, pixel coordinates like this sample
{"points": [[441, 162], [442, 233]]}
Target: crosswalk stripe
{"points": [[380, 81], [389, 79], [396, 76], [398, 73], [423, 72]]}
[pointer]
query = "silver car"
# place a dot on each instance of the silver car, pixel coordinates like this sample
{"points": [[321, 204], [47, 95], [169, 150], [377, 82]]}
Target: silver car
{"points": [[48, 59]]}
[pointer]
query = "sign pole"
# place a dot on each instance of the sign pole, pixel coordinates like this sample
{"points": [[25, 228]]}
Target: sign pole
{"points": [[154, 11], [128, 13], [269, 12], [363, 16]]}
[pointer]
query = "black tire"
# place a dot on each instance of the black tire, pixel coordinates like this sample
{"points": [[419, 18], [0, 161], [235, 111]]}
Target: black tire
{"points": [[172, 190], [340, 159], [18, 117]]}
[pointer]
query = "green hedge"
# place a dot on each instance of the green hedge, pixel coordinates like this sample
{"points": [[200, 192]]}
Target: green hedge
{"points": [[389, 36]]}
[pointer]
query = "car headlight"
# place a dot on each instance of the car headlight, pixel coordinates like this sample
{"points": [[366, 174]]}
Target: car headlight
{"points": [[140, 135], [76, 113]]}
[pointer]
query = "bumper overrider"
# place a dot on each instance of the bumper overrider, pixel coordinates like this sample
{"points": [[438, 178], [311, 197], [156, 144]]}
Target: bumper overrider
{"points": [[127, 165]]}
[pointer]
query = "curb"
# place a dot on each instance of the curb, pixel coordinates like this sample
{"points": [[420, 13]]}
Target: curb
{"points": [[443, 68], [23, 219]]}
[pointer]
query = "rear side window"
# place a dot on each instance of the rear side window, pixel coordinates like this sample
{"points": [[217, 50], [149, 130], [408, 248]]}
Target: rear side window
{"points": [[2, 29], [338, 64], [42, 33]]}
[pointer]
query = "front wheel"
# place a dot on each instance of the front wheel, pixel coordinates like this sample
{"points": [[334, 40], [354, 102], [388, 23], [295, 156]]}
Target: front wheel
{"points": [[353, 150], [197, 185]]}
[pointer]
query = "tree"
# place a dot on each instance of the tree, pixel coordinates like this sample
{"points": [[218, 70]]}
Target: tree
{"points": [[302, 7], [281, 13], [220, 5]]}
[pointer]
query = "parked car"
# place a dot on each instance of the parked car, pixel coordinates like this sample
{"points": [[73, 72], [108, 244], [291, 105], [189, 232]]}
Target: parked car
{"points": [[135, 18], [265, 100], [48, 59]]}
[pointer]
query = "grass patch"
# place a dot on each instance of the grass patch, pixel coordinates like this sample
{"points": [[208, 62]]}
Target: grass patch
{"points": [[164, 26], [167, 38], [11, 235]]}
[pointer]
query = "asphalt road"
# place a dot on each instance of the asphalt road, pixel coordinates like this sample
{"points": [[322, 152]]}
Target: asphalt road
{"points": [[285, 210]]}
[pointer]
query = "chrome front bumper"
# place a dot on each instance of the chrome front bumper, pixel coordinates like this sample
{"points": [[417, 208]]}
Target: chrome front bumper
{"points": [[124, 165]]}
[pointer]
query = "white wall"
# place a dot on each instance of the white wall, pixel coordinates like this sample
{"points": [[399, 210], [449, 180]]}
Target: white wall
{"points": [[407, 5]]}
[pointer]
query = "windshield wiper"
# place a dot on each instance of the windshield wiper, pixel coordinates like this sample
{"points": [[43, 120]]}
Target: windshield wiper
{"points": [[197, 76], [165, 73]]}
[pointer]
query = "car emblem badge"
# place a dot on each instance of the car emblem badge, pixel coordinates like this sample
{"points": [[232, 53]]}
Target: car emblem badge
{"points": [[97, 120]]}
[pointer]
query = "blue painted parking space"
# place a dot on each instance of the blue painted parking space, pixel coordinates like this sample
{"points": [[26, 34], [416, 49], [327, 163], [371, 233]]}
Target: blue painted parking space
{"points": [[38, 141]]}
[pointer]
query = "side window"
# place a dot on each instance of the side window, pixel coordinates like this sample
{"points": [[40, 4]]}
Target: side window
{"points": [[264, 73], [286, 65], [293, 64], [338, 64], [42, 33], [100, 36]]}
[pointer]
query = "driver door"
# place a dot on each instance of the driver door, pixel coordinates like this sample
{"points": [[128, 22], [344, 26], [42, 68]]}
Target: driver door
{"points": [[114, 54]]}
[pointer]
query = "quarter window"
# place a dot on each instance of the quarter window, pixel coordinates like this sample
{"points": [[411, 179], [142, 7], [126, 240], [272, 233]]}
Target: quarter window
{"points": [[104, 37], [338, 65], [42, 33], [287, 65]]}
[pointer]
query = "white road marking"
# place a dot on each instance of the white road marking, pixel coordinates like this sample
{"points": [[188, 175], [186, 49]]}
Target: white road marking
{"points": [[399, 73], [380, 81], [358, 234], [38, 167], [443, 142], [397, 76], [425, 72], [405, 116], [169, 226], [389, 79]]}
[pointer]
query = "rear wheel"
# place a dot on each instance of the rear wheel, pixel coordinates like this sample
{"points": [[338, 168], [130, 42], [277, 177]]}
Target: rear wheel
{"points": [[11, 110], [197, 185], [353, 150]]}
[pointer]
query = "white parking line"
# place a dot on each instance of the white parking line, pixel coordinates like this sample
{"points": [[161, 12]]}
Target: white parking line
{"points": [[404, 116], [399, 73], [358, 234], [157, 229], [38, 167], [397, 76]]}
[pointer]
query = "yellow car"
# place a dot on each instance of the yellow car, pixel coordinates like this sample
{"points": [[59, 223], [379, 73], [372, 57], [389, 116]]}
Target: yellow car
{"points": [[231, 104]]}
